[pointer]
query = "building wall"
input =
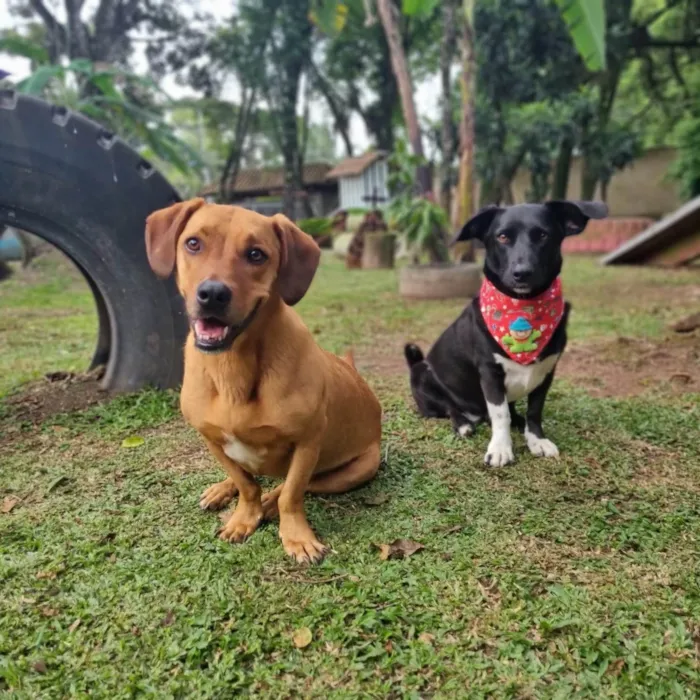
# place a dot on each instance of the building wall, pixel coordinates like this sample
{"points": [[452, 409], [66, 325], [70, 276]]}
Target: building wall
{"points": [[353, 190], [643, 189]]}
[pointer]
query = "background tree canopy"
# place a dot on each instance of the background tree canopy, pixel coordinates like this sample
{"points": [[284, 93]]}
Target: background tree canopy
{"points": [[269, 85]]}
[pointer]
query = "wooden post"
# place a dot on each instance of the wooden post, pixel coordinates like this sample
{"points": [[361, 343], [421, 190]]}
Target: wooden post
{"points": [[379, 250]]}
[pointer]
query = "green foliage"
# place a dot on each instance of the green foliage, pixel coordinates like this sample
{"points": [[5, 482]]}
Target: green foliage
{"points": [[316, 227], [126, 103], [686, 169], [586, 22], [422, 223], [17, 45]]}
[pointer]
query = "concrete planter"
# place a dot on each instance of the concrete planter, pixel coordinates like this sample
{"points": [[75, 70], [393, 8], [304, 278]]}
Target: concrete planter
{"points": [[440, 281]]}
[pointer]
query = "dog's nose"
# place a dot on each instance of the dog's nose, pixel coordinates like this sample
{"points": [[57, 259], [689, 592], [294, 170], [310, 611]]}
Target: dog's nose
{"points": [[522, 273], [213, 296]]}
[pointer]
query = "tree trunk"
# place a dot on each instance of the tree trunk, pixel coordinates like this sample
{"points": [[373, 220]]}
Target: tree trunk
{"points": [[589, 180], [403, 78], [562, 168], [465, 185], [446, 58]]}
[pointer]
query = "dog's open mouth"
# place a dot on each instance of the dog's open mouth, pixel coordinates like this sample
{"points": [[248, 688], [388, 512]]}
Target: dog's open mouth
{"points": [[211, 334]]}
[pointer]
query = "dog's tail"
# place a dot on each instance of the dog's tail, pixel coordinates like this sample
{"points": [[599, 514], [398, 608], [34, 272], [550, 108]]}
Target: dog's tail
{"points": [[349, 357], [413, 354]]}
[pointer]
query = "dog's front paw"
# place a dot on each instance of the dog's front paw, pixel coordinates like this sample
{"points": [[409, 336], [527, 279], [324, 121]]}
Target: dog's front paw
{"points": [[541, 447], [300, 543], [218, 495], [499, 453], [242, 524]]}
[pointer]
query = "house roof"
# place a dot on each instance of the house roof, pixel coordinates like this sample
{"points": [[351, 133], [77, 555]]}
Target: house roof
{"points": [[653, 244], [251, 180], [355, 166]]}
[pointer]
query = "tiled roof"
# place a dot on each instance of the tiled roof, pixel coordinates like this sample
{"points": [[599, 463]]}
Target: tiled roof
{"points": [[356, 165], [264, 179]]}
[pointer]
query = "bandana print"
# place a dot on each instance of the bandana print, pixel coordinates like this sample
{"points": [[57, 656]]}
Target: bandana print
{"points": [[522, 327]]}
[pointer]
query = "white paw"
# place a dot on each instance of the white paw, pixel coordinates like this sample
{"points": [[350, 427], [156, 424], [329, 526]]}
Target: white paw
{"points": [[466, 429], [499, 453], [541, 447]]}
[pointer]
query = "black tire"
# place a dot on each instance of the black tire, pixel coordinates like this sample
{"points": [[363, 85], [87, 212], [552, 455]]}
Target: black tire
{"points": [[71, 182]]}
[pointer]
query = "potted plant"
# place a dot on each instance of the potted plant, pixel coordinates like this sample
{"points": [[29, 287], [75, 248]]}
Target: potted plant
{"points": [[423, 228]]}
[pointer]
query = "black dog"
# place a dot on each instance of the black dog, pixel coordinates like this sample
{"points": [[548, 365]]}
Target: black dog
{"points": [[505, 345]]}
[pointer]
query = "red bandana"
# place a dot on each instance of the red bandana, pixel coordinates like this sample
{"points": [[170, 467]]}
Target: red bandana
{"points": [[522, 327]]}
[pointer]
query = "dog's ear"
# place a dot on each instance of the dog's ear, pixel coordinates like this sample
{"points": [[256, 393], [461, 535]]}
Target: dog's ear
{"points": [[163, 228], [299, 256], [478, 225], [573, 216]]}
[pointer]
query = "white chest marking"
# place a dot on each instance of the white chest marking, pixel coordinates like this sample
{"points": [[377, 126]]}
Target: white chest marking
{"points": [[521, 380], [250, 457]]}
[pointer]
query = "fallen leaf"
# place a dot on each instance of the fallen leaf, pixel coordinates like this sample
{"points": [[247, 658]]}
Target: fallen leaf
{"points": [[389, 647], [376, 500], [112, 558], [75, 625], [60, 481], [39, 666], [135, 631], [615, 668], [46, 575], [452, 530], [8, 503], [168, 619], [398, 549], [47, 611], [426, 637], [302, 638], [133, 441]]}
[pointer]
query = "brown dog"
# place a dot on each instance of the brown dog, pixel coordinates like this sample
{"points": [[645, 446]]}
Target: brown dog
{"points": [[267, 400]]}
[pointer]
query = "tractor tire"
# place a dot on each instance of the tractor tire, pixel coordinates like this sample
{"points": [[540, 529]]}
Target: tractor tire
{"points": [[71, 182]]}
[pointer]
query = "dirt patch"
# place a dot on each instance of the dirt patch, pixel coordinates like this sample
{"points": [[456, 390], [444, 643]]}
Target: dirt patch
{"points": [[627, 367], [56, 393], [620, 367]]}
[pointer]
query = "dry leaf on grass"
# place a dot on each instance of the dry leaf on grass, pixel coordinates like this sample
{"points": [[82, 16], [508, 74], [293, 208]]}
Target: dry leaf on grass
{"points": [[168, 619], [39, 666], [398, 549], [426, 637], [8, 503], [75, 625], [46, 575], [302, 637], [47, 611]]}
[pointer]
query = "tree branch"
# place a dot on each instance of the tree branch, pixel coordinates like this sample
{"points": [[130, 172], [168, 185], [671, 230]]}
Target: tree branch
{"points": [[52, 24]]}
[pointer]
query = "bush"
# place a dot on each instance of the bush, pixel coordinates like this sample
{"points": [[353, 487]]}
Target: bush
{"points": [[316, 227]]}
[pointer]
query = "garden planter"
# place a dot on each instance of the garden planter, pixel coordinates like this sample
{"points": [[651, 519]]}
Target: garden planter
{"points": [[379, 250], [440, 281]]}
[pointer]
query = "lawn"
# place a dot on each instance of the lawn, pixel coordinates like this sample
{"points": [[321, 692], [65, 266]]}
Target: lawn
{"points": [[547, 579]]}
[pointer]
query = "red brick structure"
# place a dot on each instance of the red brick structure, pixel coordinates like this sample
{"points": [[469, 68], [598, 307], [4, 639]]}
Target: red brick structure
{"points": [[606, 235]]}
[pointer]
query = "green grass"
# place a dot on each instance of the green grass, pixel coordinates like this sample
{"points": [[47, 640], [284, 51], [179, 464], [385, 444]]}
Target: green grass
{"points": [[566, 579]]}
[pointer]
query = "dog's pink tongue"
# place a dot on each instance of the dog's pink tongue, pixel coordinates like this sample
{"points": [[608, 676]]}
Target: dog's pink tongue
{"points": [[208, 329]]}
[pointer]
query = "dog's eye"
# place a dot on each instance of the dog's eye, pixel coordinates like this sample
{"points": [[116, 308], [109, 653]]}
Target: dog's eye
{"points": [[194, 245], [256, 256], [502, 238], [541, 235]]}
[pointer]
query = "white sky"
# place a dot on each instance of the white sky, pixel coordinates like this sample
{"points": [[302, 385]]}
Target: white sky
{"points": [[427, 93]]}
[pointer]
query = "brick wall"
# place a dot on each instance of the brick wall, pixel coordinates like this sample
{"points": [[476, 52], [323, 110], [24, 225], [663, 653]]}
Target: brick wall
{"points": [[605, 235]]}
